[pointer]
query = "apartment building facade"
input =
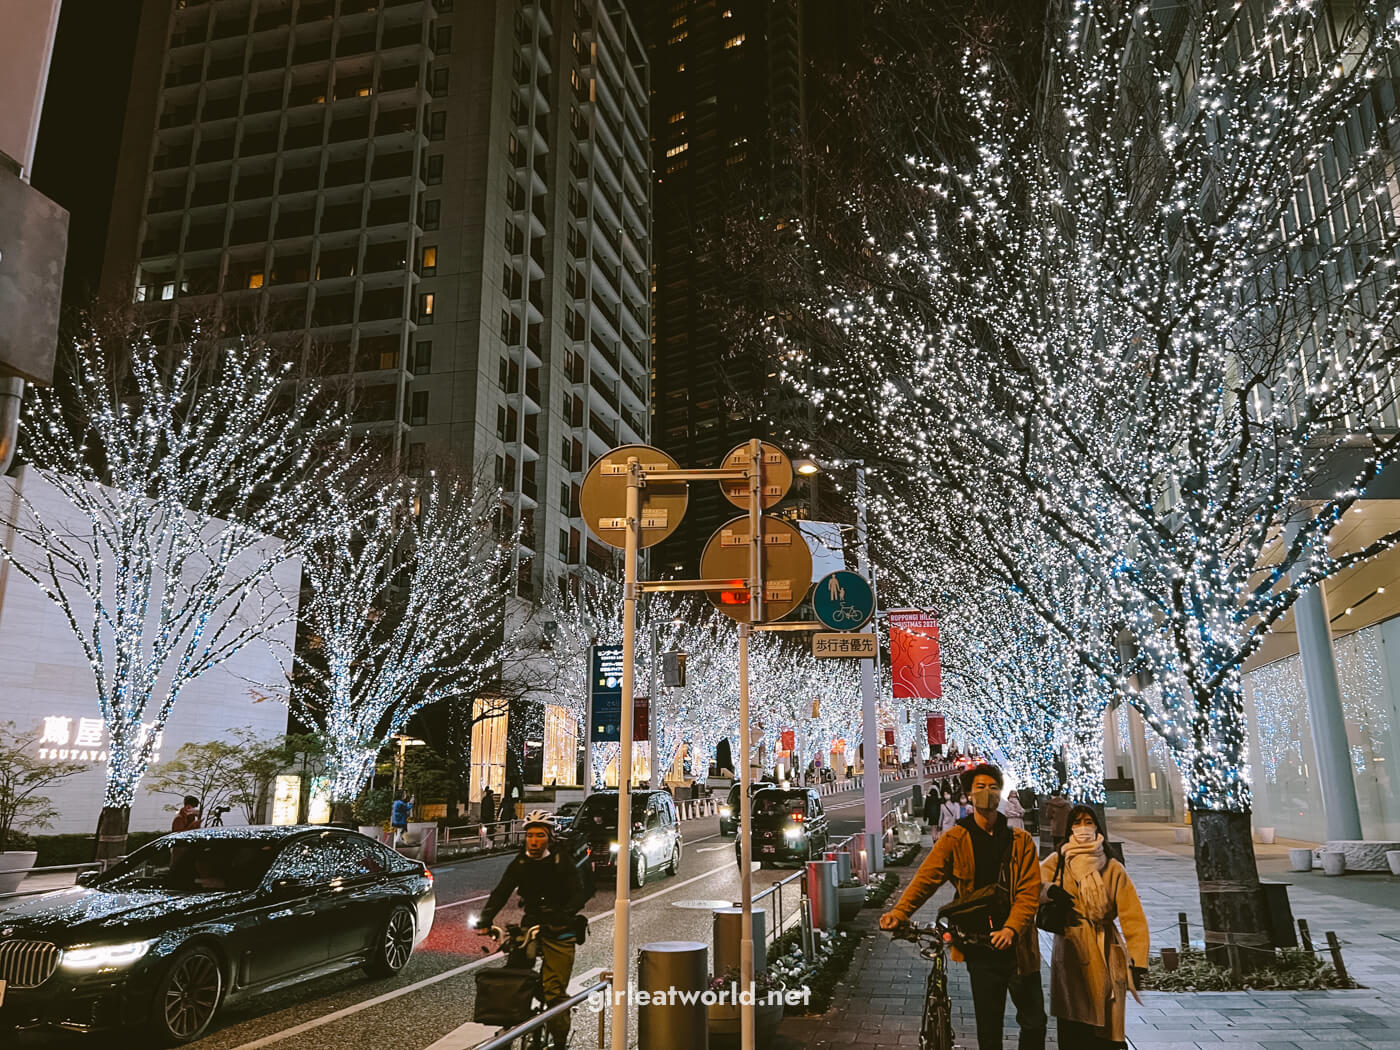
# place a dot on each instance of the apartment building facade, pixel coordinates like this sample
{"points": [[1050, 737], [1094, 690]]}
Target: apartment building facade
{"points": [[440, 207]]}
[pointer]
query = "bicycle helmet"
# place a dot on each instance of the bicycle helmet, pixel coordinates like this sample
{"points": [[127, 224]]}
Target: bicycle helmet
{"points": [[538, 818]]}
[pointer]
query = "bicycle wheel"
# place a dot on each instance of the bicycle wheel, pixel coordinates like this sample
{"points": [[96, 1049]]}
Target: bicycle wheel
{"points": [[936, 1029]]}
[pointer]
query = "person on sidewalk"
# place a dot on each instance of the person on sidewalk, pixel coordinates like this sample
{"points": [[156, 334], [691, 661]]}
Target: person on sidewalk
{"points": [[1093, 965], [189, 816], [552, 895], [488, 812], [949, 813], [1012, 811], [1057, 809], [398, 817], [982, 850]]}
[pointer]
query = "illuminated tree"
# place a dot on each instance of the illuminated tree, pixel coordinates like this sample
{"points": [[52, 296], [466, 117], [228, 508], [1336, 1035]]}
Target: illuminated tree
{"points": [[185, 483], [403, 610]]}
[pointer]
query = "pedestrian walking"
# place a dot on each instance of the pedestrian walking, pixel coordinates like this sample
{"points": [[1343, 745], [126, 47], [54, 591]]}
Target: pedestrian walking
{"points": [[488, 811], [964, 806], [1057, 809], [949, 812], [980, 851], [1094, 965], [398, 816], [1012, 811], [189, 816], [931, 804]]}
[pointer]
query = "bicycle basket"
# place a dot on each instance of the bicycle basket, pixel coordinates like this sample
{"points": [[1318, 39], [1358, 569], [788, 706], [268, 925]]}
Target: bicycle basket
{"points": [[505, 996]]}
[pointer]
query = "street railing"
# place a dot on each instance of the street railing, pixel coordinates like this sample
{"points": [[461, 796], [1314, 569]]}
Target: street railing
{"points": [[509, 1036], [77, 869]]}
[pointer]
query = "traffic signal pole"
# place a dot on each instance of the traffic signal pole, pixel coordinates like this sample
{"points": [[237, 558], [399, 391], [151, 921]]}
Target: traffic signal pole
{"points": [[746, 1008], [622, 915]]}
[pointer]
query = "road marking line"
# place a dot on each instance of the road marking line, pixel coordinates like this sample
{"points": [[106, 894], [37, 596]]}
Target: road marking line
{"points": [[458, 904], [307, 1026]]}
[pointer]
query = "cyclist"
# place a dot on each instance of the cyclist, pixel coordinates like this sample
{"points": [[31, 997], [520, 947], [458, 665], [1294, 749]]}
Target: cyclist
{"points": [[978, 852], [551, 896]]}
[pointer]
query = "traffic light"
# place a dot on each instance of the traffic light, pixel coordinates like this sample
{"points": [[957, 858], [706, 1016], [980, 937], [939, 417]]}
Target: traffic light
{"points": [[673, 669]]}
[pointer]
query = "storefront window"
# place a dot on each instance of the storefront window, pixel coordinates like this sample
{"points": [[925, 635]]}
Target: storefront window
{"points": [[560, 746], [489, 722]]}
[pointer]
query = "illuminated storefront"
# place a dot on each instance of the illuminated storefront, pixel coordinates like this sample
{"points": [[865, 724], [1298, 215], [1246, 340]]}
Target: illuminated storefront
{"points": [[489, 724], [560, 746]]}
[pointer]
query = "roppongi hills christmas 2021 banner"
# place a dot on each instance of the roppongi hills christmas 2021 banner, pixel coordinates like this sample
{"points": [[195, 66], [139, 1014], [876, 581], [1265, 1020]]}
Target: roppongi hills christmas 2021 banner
{"points": [[914, 664]]}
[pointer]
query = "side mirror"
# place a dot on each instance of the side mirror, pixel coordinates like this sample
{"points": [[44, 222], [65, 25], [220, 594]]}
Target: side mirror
{"points": [[86, 878]]}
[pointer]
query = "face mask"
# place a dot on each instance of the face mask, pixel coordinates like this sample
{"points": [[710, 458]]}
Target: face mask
{"points": [[1085, 833], [986, 798]]}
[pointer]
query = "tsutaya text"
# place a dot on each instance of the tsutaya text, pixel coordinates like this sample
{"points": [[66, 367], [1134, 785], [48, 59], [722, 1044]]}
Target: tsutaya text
{"points": [[66, 739]]}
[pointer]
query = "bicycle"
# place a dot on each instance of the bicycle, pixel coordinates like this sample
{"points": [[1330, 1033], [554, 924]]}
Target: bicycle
{"points": [[936, 1028], [520, 946]]}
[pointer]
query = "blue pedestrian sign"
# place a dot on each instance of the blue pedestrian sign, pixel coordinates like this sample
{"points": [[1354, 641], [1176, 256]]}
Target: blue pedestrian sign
{"points": [[843, 601], [605, 687]]}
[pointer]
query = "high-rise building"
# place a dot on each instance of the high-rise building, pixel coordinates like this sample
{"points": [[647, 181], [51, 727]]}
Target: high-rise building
{"points": [[442, 206], [730, 98]]}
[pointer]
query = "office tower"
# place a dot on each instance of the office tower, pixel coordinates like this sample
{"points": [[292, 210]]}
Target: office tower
{"points": [[441, 207], [729, 101]]}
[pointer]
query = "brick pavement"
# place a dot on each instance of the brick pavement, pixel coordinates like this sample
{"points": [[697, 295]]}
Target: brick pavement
{"points": [[879, 1004]]}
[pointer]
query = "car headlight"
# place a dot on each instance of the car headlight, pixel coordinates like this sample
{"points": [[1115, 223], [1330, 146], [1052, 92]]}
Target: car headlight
{"points": [[724, 811], [105, 956], [792, 833], [613, 847]]}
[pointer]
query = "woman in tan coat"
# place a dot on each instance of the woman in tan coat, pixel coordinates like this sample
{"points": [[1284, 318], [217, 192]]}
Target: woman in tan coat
{"points": [[1091, 970]]}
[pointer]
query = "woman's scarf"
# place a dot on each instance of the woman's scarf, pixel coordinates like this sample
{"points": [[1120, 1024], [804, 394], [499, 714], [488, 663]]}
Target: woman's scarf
{"points": [[1086, 860]]}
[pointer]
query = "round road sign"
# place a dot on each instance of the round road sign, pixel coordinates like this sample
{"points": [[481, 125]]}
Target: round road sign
{"points": [[777, 475], [787, 567], [844, 601], [603, 498]]}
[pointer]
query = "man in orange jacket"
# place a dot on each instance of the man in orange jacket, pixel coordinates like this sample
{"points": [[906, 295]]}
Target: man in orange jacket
{"points": [[972, 854]]}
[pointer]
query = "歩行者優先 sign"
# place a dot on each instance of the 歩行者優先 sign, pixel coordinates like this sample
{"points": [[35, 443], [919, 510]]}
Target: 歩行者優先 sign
{"points": [[605, 686], [851, 646], [843, 601]]}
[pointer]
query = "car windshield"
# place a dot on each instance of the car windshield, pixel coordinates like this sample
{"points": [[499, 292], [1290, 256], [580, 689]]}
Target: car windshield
{"points": [[177, 865], [599, 812], [775, 804]]}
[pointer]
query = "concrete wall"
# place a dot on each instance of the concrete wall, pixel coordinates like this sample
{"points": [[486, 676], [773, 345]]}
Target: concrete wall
{"points": [[44, 675]]}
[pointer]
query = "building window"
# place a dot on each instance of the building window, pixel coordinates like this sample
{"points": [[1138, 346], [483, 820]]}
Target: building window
{"points": [[423, 357], [432, 214], [416, 454], [563, 545], [442, 44], [734, 41], [444, 7], [674, 150], [434, 173], [426, 302], [439, 83], [676, 118], [167, 290], [418, 413], [564, 499], [680, 67], [437, 126], [255, 280], [501, 463], [427, 265]]}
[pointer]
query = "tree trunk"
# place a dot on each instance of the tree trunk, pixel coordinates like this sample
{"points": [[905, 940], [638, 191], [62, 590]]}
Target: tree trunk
{"points": [[1233, 905], [111, 833], [343, 814]]}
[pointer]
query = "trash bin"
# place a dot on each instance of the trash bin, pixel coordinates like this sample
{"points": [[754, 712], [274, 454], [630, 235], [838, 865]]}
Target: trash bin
{"points": [[673, 1024], [821, 894]]}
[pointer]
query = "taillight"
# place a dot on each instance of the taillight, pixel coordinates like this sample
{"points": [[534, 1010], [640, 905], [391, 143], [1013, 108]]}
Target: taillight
{"points": [[429, 875], [798, 817]]}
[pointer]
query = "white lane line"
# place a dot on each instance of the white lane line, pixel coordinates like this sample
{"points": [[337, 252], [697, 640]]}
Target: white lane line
{"points": [[458, 904], [307, 1026]]}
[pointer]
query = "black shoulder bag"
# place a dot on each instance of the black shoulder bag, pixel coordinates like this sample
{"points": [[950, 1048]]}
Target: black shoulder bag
{"points": [[982, 912], [1056, 913]]}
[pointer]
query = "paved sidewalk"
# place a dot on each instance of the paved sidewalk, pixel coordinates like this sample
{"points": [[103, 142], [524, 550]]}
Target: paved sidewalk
{"points": [[880, 1002]]}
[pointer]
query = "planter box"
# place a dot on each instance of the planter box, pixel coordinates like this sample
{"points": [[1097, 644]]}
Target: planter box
{"points": [[849, 901], [14, 866], [1181, 835], [1334, 862], [724, 1023], [1392, 858], [1264, 835], [1300, 859]]}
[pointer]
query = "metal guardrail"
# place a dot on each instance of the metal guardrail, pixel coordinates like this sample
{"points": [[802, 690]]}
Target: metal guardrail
{"points": [[510, 1035], [91, 865]]}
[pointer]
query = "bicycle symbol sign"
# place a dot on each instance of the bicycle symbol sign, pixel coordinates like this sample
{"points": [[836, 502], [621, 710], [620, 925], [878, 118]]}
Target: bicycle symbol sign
{"points": [[843, 600]]}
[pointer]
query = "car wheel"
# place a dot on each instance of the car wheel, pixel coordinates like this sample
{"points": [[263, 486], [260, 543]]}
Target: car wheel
{"points": [[394, 945], [187, 996], [639, 872], [676, 859]]}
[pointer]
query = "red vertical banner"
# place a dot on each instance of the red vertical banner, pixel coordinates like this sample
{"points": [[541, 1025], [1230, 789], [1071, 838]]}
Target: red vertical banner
{"points": [[789, 739], [937, 731], [889, 738], [641, 719], [914, 661]]}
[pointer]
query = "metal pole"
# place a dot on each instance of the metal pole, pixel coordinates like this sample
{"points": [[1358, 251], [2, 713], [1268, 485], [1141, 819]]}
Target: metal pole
{"points": [[870, 726], [621, 916], [588, 729], [654, 752], [756, 585]]}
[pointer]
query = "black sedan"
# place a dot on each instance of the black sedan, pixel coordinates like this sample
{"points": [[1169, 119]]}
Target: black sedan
{"points": [[198, 919]]}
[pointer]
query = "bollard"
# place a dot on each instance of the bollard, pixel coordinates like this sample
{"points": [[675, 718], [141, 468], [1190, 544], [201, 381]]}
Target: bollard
{"points": [[1183, 931], [821, 894], [843, 863], [671, 1024], [918, 798], [727, 930], [1170, 960], [1335, 947]]}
